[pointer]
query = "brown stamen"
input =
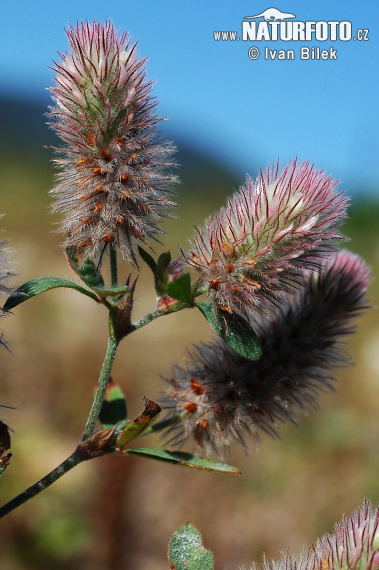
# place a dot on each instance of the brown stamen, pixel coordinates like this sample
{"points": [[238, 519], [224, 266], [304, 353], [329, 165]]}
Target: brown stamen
{"points": [[197, 387], [214, 283], [190, 407], [91, 138], [82, 160], [105, 154]]}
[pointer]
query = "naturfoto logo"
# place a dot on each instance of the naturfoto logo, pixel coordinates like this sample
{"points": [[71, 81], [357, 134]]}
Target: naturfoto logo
{"points": [[276, 27], [272, 25]]}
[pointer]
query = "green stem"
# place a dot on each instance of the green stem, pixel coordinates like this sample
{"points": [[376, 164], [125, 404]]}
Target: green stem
{"points": [[75, 458], [157, 313], [42, 484], [102, 383], [113, 262]]}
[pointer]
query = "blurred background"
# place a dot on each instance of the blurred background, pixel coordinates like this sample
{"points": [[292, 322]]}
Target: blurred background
{"points": [[228, 115]]}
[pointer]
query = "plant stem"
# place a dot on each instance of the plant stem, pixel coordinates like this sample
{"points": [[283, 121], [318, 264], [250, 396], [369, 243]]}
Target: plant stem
{"points": [[113, 262], [42, 484], [102, 383], [157, 313], [75, 457]]}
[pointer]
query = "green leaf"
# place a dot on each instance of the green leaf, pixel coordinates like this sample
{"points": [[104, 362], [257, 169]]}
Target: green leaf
{"points": [[164, 261], [113, 409], [186, 550], [233, 329], [161, 275], [147, 259], [183, 458], [88, 271], [112, 292], [180, 288], [137, 426], [37, 286]]}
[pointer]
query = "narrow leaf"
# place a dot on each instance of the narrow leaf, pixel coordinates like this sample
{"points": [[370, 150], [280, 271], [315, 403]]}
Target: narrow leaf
{"points": [[112, 292], [147, 259], [88, 271], [183, 458], [186, 550], [136, 427], [37, 286], [161, 275], [113, 409], [233, 329], [180, 288]]}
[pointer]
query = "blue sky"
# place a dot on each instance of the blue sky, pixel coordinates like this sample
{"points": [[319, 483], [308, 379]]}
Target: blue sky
{"points": [[247, 112]]}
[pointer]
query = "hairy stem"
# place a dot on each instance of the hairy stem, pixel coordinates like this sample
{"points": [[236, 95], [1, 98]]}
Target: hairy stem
{"points": [[75, 457], [42, 484], [178, 306], [113, 262], [102, 383]]}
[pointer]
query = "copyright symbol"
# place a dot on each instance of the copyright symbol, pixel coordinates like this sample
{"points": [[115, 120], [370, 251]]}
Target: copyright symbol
{"points": [[253, 52]]}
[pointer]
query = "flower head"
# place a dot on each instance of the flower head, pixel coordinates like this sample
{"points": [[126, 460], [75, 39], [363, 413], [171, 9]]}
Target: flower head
{"points": [[6, 272], [5, 276], [271, 231], [353, 546], [224, 396], [114, 185]]}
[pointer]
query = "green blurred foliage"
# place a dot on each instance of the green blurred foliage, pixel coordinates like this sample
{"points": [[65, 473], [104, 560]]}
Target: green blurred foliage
{"points": [[117, 513]]}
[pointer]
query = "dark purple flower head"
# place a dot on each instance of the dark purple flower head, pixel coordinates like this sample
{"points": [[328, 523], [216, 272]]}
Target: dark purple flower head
{"points": [[114, 185], [353, 546], [271, 231], [226, 396]]}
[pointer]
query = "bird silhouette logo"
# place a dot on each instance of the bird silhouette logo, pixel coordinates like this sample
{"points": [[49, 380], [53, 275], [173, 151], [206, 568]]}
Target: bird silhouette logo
{"points": [[272, 15]]}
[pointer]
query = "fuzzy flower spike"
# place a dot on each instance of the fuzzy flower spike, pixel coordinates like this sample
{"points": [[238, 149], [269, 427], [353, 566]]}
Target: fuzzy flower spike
{"points": [[5, 268], [6, 275], [114, 185], [354, 545], [271, 231], [225, 396]]}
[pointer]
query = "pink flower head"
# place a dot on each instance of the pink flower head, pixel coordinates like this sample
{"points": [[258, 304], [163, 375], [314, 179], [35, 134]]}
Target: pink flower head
{"points": [[271, 231], [225, 396], [354, 545], [113, 185]]}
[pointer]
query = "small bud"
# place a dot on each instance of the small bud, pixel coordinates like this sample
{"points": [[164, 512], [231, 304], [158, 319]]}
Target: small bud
{"points": [[174, 270], [123, 316], [101, 443]]}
